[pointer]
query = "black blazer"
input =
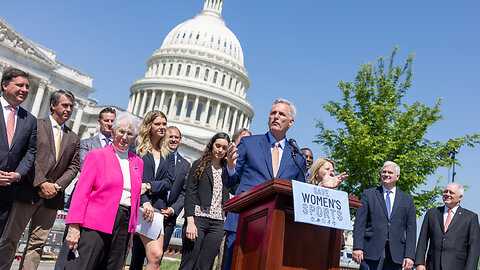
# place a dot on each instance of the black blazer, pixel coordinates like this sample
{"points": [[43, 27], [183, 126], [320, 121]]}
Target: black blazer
{"points": [[20, 157], [177, 193], [457, 248], [200, 192], [161, 179]]}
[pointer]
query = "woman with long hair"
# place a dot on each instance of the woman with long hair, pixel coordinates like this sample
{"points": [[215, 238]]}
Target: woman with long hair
{"points": [[204, 200], [158, 173], [322, 174]]}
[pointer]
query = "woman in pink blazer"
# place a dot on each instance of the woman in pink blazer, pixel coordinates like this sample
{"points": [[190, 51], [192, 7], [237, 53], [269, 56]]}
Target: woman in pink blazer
{"points": [[104, 208]]}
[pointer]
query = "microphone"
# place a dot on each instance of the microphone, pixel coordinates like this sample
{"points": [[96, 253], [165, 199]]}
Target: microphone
{"points": [[296, 149]]}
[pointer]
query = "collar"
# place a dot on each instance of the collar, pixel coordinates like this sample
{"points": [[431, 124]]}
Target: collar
{"points": [[5, 103], [454, 209], [272, 139], [393, 190], [103, 137], [54, 123]]}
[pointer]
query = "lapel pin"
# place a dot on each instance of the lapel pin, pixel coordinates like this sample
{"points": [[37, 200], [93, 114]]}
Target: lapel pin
{"points": [[135, 167]]}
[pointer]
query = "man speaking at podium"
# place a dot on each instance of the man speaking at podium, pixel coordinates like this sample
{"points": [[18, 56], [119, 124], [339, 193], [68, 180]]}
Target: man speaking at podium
{"points": [[259, 158]]}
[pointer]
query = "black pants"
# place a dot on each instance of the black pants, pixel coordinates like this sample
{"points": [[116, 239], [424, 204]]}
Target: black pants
{"points": [[385, 262], [201, 253], [5, 208], [98, 250]]}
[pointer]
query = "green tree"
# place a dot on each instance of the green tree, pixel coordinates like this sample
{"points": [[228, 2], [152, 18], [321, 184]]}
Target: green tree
{"points": [[375, 126]]}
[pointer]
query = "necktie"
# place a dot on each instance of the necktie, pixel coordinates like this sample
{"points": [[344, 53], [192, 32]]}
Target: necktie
{"points": [[107, 141], [58, 141], [275, 157], [10, 124], [388, 203], [449, 219]]}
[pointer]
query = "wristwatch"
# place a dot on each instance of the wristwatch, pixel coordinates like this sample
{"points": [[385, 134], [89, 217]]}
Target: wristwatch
{"points": [[149, 187]]}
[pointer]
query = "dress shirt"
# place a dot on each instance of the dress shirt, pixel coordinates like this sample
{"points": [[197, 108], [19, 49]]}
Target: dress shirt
{"points": [[54, 126], [445, 213], [392, 196], [6, 110], [103, 138]]}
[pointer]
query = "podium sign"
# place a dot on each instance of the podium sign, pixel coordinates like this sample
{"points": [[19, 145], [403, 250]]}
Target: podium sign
{"points": [[321, 206]]}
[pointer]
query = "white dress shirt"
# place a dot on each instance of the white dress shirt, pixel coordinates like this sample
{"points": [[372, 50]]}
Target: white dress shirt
{"points": [[392, 196], [6, 111], [445, 213]]}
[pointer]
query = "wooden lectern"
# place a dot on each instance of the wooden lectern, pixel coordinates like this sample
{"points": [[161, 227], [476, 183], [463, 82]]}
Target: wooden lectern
{"points": [[268, 238]]}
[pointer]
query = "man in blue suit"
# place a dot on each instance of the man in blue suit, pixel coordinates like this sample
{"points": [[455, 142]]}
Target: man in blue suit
{"points": [[259, 158], [384, 233], [18, 140]]}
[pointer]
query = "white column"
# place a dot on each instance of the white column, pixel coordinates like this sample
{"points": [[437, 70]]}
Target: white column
{"points": [[245, 122], [39, 97], [144, 102], [240, 122], [154, 70], [226, 118], [152, 100], [215, 120], [203, 120], [162, 99], [234, 122], [131, 102], [248, 124], [78, 117], [194, 111], [137, 102], [183, 111], [171, 113]]}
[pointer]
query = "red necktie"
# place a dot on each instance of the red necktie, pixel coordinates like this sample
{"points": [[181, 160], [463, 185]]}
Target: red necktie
{"points": [[275, 158], [10, 124], [449, 219]]}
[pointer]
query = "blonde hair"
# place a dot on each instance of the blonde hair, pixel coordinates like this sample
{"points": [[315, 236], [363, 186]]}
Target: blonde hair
{"points": [[314, 177], [144, 143]]}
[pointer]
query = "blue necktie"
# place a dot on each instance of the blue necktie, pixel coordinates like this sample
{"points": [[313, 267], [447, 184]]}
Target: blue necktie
{"points": [[387, 202]]}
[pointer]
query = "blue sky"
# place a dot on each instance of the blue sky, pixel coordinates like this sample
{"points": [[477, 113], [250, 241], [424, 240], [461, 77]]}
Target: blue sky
{"points": [[297, 50]]}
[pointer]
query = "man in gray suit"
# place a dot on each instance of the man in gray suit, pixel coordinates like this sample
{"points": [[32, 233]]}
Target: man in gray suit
{"points": [[102, 139]]}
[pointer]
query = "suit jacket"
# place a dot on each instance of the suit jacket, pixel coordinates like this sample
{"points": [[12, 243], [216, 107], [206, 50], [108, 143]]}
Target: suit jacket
{"points": [[254, 166], [176, 197], [48, 169], [20, 157], [372, 227], [161, 179], [87, 145], [457, 248], [99, 190], [200, 192]]}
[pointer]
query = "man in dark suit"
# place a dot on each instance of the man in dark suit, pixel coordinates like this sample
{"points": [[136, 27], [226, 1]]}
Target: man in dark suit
{"points": [[453, 233], [18, 143], [259, 158], [384, 232], [56, 165], [176, 195]]}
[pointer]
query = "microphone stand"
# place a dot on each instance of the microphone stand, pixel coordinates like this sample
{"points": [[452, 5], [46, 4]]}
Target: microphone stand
{"points": [[294, 156]]}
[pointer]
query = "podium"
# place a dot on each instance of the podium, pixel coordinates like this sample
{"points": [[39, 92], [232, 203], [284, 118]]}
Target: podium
{"points": [[268, 238]]}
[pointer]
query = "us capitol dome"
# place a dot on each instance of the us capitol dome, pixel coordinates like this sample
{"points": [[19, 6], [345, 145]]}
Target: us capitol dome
{"points": [[197, 78]]}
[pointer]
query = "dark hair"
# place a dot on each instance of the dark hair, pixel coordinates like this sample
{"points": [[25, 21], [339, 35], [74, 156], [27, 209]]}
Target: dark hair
{"points": [[55, 97], [238, 133], [106, 110], [207, 155], [306, 148], [11, 73], [179, 132]]}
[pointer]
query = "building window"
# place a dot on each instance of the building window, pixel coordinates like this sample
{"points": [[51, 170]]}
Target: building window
{"points": [[209, 114], [170, 70], [236, 86], [199, 112], [179, 69], [223, 79], [189, 109], [205, 77], [230, 83], [198, 36], [197, 72], [179, 107], [215, 77], [187, 73], [163, 68]]}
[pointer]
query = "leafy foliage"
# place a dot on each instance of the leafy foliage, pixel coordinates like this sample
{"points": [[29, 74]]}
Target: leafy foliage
{"points": [[376, 126]]}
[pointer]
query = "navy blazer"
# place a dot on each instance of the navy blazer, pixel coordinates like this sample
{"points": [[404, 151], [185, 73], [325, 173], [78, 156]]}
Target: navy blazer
{"points": [[161, 179], [457, 248], [254, 166], [20, 157], [372, 227], [176, 197]]}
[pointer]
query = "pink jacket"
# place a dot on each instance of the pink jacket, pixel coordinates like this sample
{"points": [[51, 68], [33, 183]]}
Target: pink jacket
{"points": [[99, 190]]}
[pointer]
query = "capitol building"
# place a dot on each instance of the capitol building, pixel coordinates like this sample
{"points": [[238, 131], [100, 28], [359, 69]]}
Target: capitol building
{"points": [[198, 79]]}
